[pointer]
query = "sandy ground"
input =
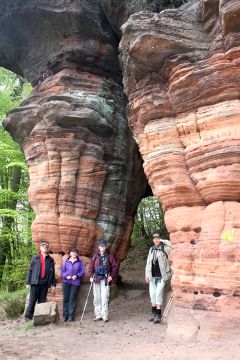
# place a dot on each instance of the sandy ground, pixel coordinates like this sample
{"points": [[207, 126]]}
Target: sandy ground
{"points": [[128, 335]]}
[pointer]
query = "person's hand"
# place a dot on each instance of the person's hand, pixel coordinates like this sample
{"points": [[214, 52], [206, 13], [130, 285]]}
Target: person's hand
{"points": [[147, 280], [74, 277], [68, 277], [28, 286], [109, 279], [91, 279]]}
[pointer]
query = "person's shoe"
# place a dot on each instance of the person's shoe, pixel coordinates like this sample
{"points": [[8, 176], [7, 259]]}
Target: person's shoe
{"points": [[157, 317], [65, 319], [97, 318], [105, 320], [151, 318], [71, 318]]}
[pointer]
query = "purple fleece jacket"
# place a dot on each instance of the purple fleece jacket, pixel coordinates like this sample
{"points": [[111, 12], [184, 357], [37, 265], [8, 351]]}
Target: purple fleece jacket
{"points": [[69, 268]]}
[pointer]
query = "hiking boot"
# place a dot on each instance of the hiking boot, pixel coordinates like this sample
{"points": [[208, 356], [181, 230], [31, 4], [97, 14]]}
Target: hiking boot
{"points": [[151, 318], [97, 318], [157, 317], [71, 318], [65, 318], [105, 320]]}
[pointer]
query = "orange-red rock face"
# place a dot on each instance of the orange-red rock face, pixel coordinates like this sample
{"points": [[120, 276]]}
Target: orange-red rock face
{"points": [[182, 76], [86, 176], [79, 151], [181, 73]]}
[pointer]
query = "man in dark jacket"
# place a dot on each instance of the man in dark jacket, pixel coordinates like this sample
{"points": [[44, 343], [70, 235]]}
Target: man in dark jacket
{"points": [[102, 270], [40, 277]]}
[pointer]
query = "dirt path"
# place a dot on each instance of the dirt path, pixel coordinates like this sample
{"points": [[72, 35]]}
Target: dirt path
{"points": [[127, 336]]}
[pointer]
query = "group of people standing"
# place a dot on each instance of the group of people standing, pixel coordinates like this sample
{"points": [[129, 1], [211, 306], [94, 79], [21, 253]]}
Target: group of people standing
{"points": [[102, 270]]}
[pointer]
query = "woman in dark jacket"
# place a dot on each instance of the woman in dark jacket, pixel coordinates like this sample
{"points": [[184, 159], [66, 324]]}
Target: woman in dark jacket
{"points": [[72, 272]]}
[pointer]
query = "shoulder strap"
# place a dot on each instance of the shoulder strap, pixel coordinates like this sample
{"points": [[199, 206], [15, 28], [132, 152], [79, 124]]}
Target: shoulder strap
{"points": [[161, 249], [165, 253]]}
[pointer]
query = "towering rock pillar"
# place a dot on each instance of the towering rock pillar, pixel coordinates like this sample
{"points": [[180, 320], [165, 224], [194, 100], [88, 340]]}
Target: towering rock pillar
{"points": [[181, 74], [86, 176], [181, 71]]}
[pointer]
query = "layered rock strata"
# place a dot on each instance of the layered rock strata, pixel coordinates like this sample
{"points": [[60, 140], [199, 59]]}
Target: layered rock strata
{"points": [[181, 72], [86, 176]]}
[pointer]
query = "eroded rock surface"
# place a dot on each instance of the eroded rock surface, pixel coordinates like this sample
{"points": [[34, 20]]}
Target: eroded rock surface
{"points": [[86, 176], [181, 72]]}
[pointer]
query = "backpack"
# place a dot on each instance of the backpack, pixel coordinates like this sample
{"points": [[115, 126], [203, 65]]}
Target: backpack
{"points": [[101, 270]]}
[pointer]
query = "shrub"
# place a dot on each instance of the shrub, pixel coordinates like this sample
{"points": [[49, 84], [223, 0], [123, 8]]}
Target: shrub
{"points": [[14, 275], [14, 307]]}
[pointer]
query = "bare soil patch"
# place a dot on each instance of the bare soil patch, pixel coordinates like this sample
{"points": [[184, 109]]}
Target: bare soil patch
{"points": [[127, 336]]}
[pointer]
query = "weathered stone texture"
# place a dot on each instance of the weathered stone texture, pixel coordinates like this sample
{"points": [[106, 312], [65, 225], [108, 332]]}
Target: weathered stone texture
{"points": [[45, 313], [181, 74], [79, 151], [86, 176]]}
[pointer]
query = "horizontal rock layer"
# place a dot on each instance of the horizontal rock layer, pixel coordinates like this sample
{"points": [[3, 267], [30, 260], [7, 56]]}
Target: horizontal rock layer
{"points": [[181, 74], [82, 161]]}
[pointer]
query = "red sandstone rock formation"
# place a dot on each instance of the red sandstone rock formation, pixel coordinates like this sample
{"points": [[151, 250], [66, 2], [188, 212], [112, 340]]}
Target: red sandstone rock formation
{"points": [[182, 77], [86, 176], [181, 73]]}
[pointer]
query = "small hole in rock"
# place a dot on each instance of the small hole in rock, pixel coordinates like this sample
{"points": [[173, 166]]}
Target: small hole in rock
{"points": [[216, 294], [193, 242]]}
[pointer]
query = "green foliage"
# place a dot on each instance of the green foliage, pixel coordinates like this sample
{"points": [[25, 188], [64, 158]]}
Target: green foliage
{"points": [[14, 274], [28, 326], [13, 89], [15, 213], [13, 303], [14, 307], [149, 219], [5, 295]]}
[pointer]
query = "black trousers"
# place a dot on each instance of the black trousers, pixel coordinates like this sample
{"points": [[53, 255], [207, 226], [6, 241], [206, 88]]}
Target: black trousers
{"points": [[70, 294], [38, 293]]}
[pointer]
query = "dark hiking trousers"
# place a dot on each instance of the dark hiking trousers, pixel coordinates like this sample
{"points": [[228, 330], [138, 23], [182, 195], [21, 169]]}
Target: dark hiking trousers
{"points": [[70, 293], [38, 293]]}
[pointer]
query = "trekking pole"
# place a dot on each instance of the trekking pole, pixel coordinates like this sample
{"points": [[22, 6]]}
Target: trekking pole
{"points": [[85, 305], [167, 308]]}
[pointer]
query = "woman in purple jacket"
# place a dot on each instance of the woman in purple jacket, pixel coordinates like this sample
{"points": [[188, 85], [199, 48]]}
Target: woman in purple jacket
{"points": [[72, 271]]}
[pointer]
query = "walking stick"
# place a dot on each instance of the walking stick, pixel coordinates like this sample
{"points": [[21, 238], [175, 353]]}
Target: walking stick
{"points": [[86, 302], [167, 308]]}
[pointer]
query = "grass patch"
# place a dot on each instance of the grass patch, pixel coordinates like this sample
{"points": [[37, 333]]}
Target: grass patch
{"points": [[13, 303], [14, 307], [5, 295], [28, 326]]}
